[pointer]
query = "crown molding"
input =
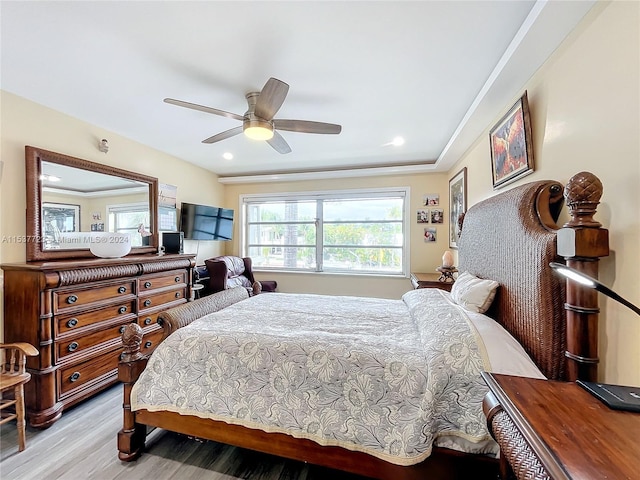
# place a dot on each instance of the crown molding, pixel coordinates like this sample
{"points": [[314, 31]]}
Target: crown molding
{"points": [[330, 174]]}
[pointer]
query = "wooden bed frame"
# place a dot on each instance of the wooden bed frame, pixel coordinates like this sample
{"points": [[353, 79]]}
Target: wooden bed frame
{"points": [[510, 238]]}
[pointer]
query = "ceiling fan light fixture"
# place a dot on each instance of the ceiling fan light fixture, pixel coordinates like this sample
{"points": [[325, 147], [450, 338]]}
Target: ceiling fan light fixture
{"points": [[258, 122], [258, 129]]}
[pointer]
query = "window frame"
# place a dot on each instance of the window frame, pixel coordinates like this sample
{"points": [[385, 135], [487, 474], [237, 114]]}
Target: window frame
{"points": [[132, 207], [327, 195]]}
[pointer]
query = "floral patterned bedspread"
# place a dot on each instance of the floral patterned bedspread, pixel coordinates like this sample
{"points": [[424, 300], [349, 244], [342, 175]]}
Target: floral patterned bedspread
{"points": [[385, 377]]}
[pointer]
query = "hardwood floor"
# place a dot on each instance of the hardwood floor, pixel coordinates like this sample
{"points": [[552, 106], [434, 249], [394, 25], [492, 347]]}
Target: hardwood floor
{"points": [[80, 446]]}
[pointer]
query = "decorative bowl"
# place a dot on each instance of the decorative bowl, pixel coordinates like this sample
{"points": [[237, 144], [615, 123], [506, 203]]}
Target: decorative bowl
{"points": [[109, 244]]}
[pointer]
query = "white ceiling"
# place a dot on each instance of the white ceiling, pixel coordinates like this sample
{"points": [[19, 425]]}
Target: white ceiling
{"points": [[437, 73]]}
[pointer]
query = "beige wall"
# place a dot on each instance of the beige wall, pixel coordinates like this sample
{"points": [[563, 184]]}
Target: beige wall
{"points": [[425, 257], [27, 123], [585, 111]]}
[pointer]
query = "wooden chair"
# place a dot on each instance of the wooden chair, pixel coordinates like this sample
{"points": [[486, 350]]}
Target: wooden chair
{"points": [[13, 375]]}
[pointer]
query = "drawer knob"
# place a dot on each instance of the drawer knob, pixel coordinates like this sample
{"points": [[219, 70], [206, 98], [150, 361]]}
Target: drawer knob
{"points": [[122, 309], [147, 344], [147, 284], [177, 294], [147, 302], [122, 329], [72, 299], [73, 346], [72, 322], [122, 289], [121, 356], [147, 321], [74, 377], [177, 279]]}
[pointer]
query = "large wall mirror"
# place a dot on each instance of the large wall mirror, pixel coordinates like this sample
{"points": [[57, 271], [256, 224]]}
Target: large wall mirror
{"points": [[68, 198]]}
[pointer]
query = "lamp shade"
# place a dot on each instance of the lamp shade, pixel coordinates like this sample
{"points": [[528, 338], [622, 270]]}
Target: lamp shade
{"points": [[590, 282], [447, 259], [257, 129]]}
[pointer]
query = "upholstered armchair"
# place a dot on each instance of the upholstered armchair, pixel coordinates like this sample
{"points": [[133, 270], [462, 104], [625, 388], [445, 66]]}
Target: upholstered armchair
{"points": [[229, 271]]}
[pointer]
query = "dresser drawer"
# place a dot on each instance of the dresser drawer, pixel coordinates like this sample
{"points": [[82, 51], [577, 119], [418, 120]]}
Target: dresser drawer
{"points": [[157, 299], [67, 349], [148, 319], [152, 282], [69, 323], [150, 340], [82, 375], [64, 299]]}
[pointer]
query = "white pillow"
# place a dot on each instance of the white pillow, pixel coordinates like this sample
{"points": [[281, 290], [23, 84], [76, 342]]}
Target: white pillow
{"points": [[473, 293]]}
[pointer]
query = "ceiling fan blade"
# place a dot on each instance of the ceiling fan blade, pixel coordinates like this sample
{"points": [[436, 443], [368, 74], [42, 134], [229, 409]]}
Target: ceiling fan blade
{"points": [[202, 108], [305, 126], [271, 98], [279, 144], [223, 135]]}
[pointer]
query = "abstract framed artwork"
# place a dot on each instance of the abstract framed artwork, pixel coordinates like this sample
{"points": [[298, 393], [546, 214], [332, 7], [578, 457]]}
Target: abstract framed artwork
{"points": [[511, 145], [457, 204]]}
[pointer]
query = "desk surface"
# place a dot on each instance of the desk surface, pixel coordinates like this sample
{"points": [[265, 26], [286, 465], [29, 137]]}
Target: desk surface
{"points": [[569, 429]]}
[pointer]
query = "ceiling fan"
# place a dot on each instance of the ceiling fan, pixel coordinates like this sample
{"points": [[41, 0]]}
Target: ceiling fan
{"points": [[258, 122]]}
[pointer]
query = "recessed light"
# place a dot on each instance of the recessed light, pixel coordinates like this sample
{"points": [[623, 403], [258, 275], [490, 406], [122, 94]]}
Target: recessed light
{"points": [[227, 156], [51, 178], [396, 142]]}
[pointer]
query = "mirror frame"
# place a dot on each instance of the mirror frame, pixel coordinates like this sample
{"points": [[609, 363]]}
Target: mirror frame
{"points": [[33, 169]]}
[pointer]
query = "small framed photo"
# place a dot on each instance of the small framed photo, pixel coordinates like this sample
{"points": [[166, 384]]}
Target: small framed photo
{"points": [[511, 145], [430, 234], [431, 199], [167, 195], [422, 216], [457, 204], [437, 215]]}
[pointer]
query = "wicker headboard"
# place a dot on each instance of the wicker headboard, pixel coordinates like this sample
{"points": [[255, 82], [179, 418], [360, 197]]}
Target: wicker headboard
{"points": [[511, 238]]}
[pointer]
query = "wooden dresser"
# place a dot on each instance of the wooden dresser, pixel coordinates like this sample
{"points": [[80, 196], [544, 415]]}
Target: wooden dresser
{"points": [[75, 311], [557, 430]]}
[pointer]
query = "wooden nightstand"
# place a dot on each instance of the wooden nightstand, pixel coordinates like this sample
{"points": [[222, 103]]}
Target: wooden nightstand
{"points": [[557, 430], [429, 280]]}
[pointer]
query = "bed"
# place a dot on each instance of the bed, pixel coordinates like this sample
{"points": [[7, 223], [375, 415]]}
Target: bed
{"points": [[349, 382]]}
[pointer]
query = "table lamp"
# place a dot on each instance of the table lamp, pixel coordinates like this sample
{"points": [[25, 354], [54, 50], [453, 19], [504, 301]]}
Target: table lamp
{"points": [[618, 397]]}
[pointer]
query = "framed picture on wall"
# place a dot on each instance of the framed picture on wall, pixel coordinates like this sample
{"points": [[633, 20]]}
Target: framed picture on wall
{"points": [[61, 217], [430, 234], [511, 145], [422, 216], [431, 199], [457, 204]]}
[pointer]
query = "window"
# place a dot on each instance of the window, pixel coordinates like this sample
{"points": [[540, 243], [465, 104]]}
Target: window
{"points": [[127, 218], [348, 231]]}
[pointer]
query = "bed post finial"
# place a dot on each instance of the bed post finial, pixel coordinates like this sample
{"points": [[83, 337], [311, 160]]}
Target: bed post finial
{"points": [[582, 241], [582, 193], [131, 340]]}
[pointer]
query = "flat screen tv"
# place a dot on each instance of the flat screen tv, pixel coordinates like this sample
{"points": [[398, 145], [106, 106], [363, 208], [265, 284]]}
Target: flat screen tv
{"points": [[202, 222]]}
